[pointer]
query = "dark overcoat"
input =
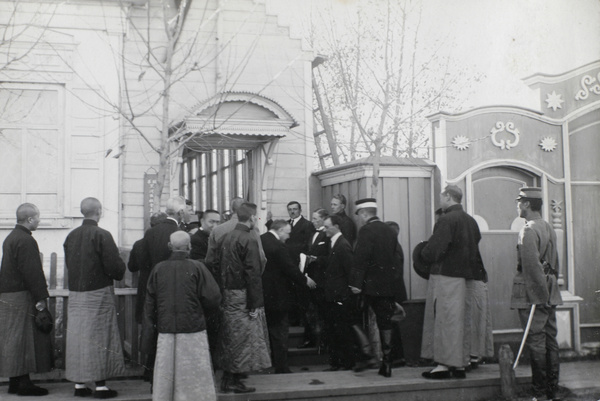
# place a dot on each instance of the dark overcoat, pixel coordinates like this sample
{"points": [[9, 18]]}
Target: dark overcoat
{"points": [[376, 268], [154, 249], [280, 274]]}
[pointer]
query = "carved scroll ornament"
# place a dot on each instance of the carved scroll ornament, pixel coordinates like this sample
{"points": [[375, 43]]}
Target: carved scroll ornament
{"points": [[594, 87], [503, 143]]}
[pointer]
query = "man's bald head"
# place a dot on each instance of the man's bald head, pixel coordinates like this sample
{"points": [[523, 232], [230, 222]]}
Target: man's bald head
{"points": [[180, 241], [28, 215], [91, 208]]}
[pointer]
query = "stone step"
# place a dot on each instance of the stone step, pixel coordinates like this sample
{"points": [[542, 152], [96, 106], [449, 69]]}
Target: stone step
{"points": [[406, 384]]}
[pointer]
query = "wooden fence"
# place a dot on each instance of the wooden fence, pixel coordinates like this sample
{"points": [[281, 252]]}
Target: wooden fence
{"points": [[125, 295]]}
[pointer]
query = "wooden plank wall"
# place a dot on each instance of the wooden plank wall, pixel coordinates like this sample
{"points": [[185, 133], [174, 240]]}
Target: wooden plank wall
{"points": [[405, 200]]}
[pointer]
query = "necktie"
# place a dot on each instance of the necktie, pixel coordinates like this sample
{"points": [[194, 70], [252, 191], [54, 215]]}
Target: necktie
{"points": [[292, 223]]}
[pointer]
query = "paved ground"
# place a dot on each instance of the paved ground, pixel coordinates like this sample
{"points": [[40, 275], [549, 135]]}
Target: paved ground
{"points": [[582, 378]]}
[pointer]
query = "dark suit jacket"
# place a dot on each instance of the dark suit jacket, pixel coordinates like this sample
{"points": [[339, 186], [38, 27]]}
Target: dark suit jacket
{"points": [[300, 236], [280, 272], [155, 249], [376, 266], [320, 249], [337, 271]]}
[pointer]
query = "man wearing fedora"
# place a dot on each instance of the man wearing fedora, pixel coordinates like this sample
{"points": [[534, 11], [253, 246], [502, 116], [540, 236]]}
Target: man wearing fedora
{"points": [[536, 284], [376, 270], [454, 247]]}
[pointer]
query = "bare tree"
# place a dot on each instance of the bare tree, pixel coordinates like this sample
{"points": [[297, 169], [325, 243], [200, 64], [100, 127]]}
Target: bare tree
{"points": [[382, 78]]}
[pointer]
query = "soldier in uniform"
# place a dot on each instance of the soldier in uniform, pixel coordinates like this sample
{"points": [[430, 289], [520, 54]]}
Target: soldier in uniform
{"points": [[536, 284], [375, 272]]}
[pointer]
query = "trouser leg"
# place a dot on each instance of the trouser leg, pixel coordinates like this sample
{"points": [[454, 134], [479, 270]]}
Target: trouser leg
{"points": [[278, 326], [536, 343], [552, 354]]}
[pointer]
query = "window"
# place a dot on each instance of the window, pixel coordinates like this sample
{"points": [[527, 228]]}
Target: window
{"points": [[31, 132], [211, 179]]}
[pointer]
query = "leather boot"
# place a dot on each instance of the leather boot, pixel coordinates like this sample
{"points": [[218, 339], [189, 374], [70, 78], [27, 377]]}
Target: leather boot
{"points": [[386, 349], [552, 371], [538, 373], [366, 357]]}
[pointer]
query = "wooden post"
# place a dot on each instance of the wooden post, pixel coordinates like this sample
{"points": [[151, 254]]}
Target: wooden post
{"points": [[507, 374]]}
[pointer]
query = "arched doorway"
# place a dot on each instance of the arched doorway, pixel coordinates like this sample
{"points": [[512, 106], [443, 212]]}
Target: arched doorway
{"points": [[493, 192]]}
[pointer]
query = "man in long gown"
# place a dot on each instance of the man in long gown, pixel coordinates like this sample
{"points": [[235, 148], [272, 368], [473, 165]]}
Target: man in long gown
{"points": [[243, 336], [182, 370], [22, 288], [94, 351]]}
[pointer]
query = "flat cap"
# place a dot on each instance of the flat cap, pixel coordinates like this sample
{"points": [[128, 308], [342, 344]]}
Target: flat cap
{"points": [[365, 203], [530, 193]]}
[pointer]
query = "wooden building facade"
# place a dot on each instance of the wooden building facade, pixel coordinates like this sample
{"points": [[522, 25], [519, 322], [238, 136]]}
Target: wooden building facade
{"points": [[84, 111]]}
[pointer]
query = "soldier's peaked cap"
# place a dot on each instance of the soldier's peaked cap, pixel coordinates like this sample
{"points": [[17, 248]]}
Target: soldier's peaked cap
{"points": [[530, 193], [365, 203]]}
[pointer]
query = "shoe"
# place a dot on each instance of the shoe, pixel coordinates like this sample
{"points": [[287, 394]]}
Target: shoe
{"points": [[225, 382], [242, 375], [459, 374], [13, 385], [83, 392], [238, 387], [399, 363], [32, 390], [439, 375], [281, 371], [364, 365], [306, 344], [332, 369], [105, 394]]}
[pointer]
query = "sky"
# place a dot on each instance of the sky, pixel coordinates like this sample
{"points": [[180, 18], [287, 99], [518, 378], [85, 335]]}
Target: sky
{"points": [[504, 41]]}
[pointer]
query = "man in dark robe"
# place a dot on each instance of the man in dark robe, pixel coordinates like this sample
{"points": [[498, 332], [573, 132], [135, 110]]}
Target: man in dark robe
{"points": [[94, 351], [23, 290], [338, 208], [210, 219], [155, 249], [182, 369], [454, 246], [138, 260], [279, 275], [243, 335]]}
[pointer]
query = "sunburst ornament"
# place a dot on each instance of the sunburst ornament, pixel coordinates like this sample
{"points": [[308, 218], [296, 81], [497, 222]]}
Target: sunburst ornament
{"points": [[461, 142], [554, 100], [548, 144]]}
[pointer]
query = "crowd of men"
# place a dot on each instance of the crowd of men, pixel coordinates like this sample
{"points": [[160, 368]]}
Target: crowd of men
{"points": [[221, 296]]}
